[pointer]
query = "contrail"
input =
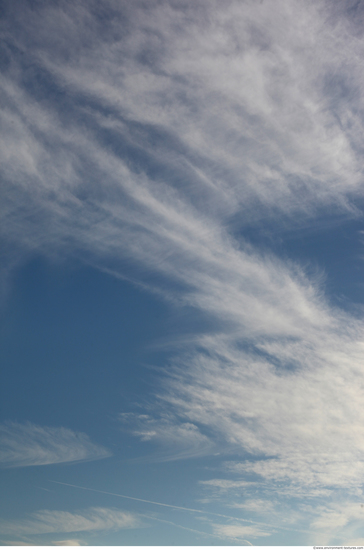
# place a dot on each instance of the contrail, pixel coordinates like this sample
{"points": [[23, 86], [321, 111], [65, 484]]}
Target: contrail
{"points": [[189, 529], [183, 508]]}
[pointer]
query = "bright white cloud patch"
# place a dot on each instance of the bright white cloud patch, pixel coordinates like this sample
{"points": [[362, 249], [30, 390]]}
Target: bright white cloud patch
{"points": [[31, 445], [54, 521], [297, 411]]}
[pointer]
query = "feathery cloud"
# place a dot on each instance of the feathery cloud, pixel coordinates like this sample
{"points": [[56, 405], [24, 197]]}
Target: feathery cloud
{"points": [[239, 531], [182, 439], [32, 445], [187, 119], [159, 134], [54, 521]]}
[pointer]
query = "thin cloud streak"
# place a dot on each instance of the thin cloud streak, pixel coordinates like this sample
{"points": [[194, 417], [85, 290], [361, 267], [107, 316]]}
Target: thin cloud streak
{"points": [[54, 521], [25, 445]]}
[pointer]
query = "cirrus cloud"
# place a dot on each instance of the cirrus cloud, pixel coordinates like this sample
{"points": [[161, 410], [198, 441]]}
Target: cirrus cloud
{"points": [[55, 521], [31, 445]]}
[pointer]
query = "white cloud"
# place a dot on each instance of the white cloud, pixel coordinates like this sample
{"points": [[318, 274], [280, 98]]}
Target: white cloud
{"points": [[338, 514], [239, 531], [89, 198], [32, 445], [242, 85], [227, 483], [54, 521], [256, 505], [297, 410], [231, 103], [182, 440], [338, 522]]}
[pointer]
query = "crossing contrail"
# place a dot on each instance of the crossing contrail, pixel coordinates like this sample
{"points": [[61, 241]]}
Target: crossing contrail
{"points": [[192, 530], [183, 508]]}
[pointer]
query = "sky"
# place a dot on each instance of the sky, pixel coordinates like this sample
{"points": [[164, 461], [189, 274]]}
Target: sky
{"points": [[181, 275]]}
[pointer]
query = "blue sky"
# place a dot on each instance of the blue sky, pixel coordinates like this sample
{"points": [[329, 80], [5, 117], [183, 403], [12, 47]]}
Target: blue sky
{"points": [[181, 284]]}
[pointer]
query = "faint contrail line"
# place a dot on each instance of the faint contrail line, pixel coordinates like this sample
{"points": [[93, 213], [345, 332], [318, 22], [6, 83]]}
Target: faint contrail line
{"points": [[183, 508], [190, 529]]}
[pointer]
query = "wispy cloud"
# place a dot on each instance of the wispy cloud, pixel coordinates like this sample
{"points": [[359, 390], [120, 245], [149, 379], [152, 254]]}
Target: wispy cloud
{"points": [[295, 402], [227, 483], [54, 521], [239, 532], [256, 505], [175, 131], [105, 201], [224, 85], [17, 543], [338, 521], [181, 439], [32, 445], [158, 134], [259, 524], [68, 542]]}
